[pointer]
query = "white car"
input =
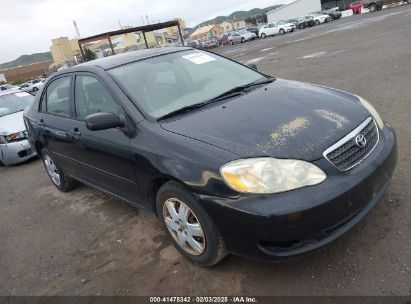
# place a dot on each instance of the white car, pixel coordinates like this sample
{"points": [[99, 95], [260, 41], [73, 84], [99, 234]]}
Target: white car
{"points": [[14, 146], [319, 18], [32, 85], [274, 28], [7, 86], [36, 84]]}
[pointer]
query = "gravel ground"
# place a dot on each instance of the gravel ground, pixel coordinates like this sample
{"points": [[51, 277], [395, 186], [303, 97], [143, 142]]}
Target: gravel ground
{"points": [[88, 243]]}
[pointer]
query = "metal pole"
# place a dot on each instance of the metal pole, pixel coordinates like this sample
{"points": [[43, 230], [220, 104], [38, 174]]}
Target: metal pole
{"points": [[81, 50], [111, 45], [181, 35], [145, 40]]}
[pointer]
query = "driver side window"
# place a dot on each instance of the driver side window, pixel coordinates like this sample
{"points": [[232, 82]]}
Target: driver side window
{"points": [[92, 97]]}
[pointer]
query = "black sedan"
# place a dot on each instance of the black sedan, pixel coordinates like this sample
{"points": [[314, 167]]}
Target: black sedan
{"points": [[334, 15], [229, 159], [302, 23]]}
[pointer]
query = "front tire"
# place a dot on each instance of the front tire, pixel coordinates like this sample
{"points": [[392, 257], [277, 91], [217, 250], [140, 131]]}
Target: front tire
{"points": [[232, 42], [302, 26], [317, 22], [373, 7], [263, 36], [282, 32], [57, 176], [242, 40], [189, 227]]}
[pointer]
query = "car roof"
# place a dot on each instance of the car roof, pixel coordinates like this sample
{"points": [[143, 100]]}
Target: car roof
{"points": [[107, 63]]}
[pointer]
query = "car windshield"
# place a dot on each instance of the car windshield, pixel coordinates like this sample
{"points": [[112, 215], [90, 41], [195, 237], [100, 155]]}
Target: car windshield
{"points": [[164, 84], [13, 103]]}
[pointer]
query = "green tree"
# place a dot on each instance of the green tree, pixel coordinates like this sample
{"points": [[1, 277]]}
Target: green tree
{"points": [[89, 55]]}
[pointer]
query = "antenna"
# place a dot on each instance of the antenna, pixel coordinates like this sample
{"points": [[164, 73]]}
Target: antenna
{"points": [[76, 29]]}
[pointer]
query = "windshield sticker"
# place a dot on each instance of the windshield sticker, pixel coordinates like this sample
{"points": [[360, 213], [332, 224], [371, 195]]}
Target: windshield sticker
{"points": [[199, 58], [22, 94]]}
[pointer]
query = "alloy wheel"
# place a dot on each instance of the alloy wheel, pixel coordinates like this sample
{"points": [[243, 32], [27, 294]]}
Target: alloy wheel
{"points": [[184, 226], [52, 170]]}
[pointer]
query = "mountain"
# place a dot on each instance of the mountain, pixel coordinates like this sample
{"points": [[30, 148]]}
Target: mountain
{"points": [[27, 59], [241, 15]]}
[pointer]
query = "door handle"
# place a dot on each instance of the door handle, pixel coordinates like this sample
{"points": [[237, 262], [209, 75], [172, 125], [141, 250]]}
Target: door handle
{"points": [[75, 132]]}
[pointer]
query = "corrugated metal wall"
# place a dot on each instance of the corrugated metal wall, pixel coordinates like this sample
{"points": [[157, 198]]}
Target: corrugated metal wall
{"points": [[295, 9]]}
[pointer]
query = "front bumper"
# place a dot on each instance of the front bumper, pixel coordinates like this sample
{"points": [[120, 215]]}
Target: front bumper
{"points": [[289, 224], [16, 152]]}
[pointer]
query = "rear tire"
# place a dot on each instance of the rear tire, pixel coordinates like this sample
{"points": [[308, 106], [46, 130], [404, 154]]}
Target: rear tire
{"points": [[263, 36], [242, 40], [35, 89], [57, 176], [317, 22], [179, 212], [302, 26], [232, 42]]}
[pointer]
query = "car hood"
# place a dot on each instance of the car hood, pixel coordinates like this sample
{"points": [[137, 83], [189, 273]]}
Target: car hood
{"points": [[12, 123], [285, 119]]}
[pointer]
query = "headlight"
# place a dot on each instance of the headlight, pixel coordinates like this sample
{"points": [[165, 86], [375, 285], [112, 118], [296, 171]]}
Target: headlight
{"points": [[270, 175], [372, 111], [4, 139]]}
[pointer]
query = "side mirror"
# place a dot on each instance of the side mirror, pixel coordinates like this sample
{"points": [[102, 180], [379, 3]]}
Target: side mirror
{"points": [[104, 121], [252, 66]]}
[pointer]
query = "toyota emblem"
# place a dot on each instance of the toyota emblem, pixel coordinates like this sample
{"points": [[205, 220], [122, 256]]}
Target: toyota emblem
{"points": [[360, 140]]}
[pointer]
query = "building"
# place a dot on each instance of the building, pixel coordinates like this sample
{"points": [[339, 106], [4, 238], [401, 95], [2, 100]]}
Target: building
{"points": [[2, 78], [233, 25], [295, 9], [22, 73], [174, 30], [64, 50], [205, 32]]}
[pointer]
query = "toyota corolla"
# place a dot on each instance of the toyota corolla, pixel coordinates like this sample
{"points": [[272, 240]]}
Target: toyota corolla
{"points": [[229, 159]]}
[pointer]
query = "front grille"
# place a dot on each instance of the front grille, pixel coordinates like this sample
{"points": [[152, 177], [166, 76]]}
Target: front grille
{"points": [[346, 153]]}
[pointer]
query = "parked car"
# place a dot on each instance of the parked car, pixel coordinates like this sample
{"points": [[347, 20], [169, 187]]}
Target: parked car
{"points": [[254, 29], [302, 23], [374, 5], [241, 37], [274, 28], [205, 144], [36, 84], [7, 86], [32, 85], [223, 39], [14, 147], [356, 6], [333, 14], [289, 27], [319, 18], [212, 42]]}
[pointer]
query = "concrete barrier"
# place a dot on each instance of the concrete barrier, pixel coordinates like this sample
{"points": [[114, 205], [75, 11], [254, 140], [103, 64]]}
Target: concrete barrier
{"points": [[347, 13]]}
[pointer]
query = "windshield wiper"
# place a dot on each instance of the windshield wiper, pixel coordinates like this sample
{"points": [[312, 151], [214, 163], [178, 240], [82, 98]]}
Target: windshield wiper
{"points": [[237, 91], [183, 110], [241, 89]]}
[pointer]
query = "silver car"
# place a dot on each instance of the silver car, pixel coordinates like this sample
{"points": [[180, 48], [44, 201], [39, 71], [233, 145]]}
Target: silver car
{"points": [[241, 37], [14, 147]]}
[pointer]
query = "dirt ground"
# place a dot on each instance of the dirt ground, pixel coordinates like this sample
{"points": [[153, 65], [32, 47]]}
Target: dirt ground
{"points": [[88, 243]]}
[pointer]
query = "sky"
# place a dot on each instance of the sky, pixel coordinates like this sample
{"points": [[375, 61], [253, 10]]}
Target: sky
{"points": [[27, 26]]}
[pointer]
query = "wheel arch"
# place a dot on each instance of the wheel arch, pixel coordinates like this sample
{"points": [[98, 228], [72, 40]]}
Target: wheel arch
{"points": [[155, 185]]}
